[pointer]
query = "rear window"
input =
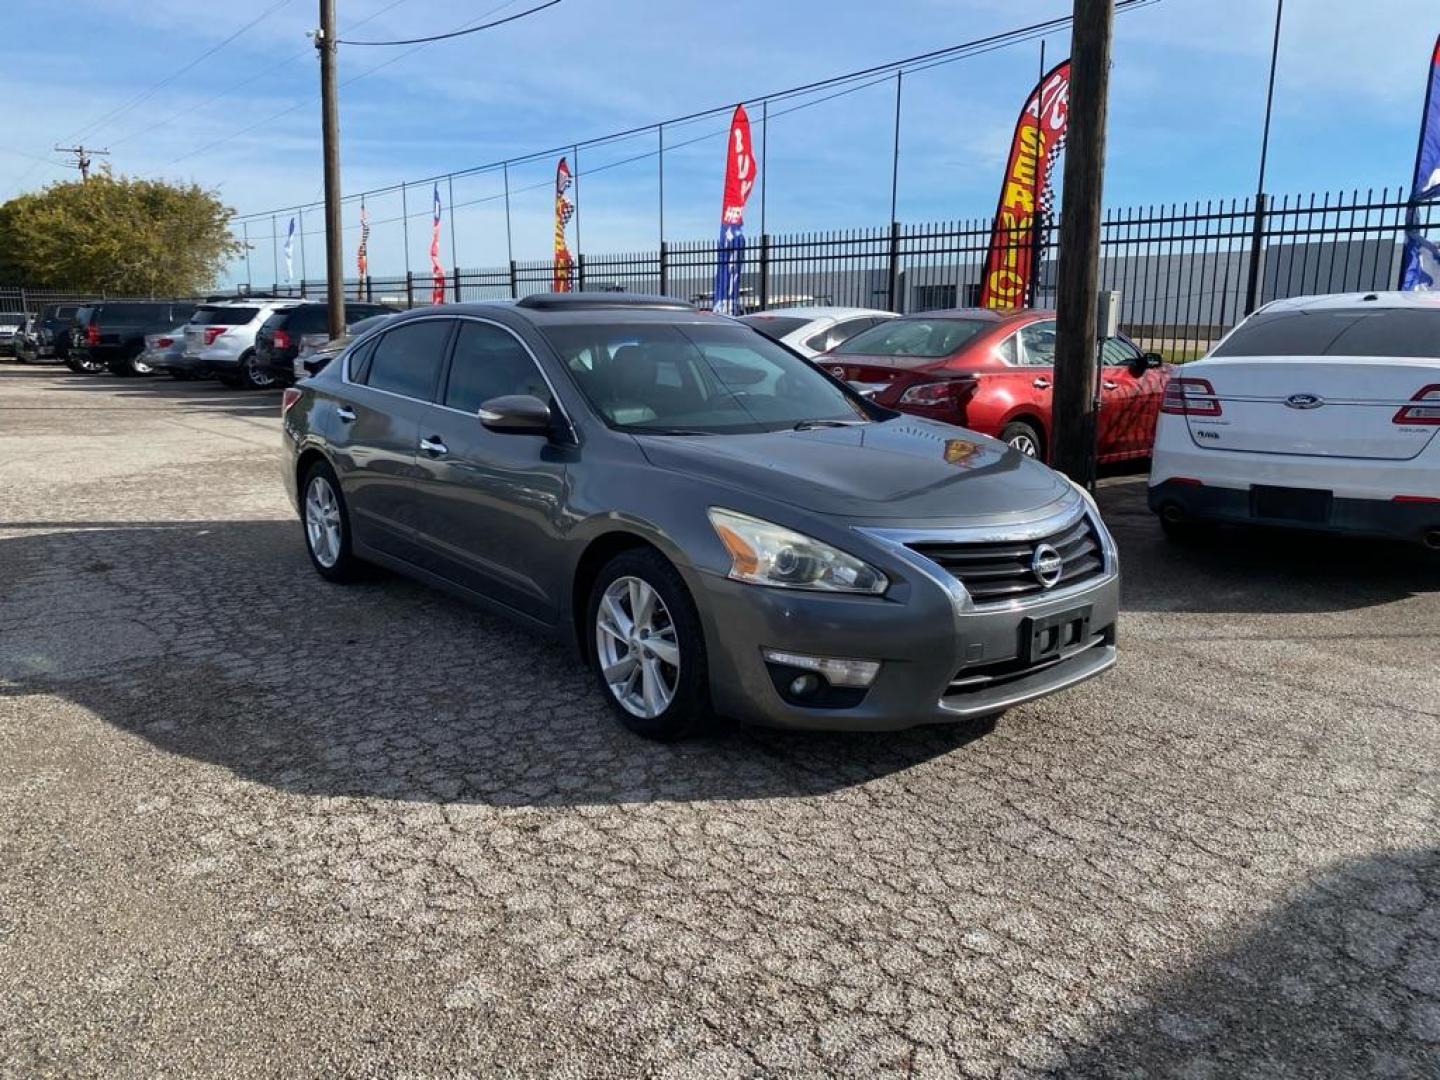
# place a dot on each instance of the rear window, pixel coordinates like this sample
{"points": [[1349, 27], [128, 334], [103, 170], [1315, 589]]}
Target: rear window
{"points": [[132, 314], [12, 318], [914, 337], [223, 316], [1337, 332], [305, 319], [774, 326]]}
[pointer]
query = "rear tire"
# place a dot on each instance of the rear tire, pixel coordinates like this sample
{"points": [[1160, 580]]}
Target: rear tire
{"points": [[83, 365], [1024, 438], [251, 376], [325, 520], [669, 626]]}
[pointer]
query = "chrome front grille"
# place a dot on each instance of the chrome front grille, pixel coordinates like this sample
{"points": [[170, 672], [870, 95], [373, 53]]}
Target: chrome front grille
{"points": [[1001, 571]]}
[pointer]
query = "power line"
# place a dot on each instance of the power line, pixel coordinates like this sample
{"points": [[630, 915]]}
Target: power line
{"points": [[919, 62], [304, 52], [454, 33], [301, 104]]}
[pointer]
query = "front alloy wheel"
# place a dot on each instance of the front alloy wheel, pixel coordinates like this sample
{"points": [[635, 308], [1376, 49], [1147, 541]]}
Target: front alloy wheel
{"points": [[322, 521], [635, 643]]}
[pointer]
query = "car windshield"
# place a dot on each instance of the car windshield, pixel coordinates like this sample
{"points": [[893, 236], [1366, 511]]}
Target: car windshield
{"points": [[697, 379], [1337, 332], [913, 337], [223, 316], [774, 326], [12, 318]]}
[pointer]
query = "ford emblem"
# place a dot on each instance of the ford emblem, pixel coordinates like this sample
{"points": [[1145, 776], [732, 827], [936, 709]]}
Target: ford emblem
{"points": [[1304, 401]]}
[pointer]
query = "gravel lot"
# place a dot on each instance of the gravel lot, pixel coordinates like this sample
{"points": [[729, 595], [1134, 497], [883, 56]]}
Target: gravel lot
{"points": [[252, 824]]}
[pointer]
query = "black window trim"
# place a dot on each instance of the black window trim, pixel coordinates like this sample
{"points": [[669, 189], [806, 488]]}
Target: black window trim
{"points": [[437, 397]]}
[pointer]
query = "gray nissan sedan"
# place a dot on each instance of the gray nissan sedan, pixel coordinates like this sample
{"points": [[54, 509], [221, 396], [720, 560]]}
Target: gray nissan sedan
{"points": [[718, 526]]}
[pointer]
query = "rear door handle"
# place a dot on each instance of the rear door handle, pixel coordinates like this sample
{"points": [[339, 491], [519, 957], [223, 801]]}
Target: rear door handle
{"points": [[1109, 385], [345, 413], [434, 446], [1041, 384]]}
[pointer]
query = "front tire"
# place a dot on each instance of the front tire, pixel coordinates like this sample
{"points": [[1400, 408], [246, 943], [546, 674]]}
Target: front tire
{"points": [[326, 522], [648, 647], [1024, 438]]}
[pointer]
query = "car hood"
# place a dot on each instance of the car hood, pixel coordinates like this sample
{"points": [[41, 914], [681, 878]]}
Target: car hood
{"points": [[907, 470]]}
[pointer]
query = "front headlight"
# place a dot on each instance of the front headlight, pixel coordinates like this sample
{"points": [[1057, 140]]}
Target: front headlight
{"points": [[766, 554]]}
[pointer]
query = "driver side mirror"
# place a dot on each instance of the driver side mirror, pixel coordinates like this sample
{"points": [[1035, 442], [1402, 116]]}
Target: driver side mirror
{"points": [[516, 414], [1154, 360]]}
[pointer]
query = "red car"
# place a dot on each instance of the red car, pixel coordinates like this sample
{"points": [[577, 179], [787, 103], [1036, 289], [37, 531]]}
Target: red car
{"points": [[992, 372]]}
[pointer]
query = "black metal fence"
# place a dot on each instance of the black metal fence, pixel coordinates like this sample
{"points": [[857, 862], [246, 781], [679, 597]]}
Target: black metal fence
{"points": [[1185, 272]]}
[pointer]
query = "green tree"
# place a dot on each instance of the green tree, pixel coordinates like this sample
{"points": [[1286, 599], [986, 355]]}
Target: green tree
{"points": [[116, 235]]}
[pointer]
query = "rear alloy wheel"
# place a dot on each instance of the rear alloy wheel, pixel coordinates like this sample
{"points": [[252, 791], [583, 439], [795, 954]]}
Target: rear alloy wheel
{"points": [[1023, 438], [139, 367], [84, 365], [327, 525], [649, 649], [251, 375]]}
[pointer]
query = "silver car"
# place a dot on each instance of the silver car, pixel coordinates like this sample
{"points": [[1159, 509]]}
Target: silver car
{"points": [[718, 526], [220, 341]]}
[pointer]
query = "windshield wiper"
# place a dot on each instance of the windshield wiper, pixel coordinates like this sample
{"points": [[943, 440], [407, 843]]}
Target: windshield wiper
{"points": [[808, 425], [667, 431]]}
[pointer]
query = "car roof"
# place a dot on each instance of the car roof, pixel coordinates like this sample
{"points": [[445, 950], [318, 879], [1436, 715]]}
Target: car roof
{"points": [[985, 314], [1331, 301], [816, 312]]}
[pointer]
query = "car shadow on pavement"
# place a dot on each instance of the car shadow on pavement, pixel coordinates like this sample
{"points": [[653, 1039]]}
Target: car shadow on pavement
{"points": [[1341, 981], [1256, 571], [217, 641]]}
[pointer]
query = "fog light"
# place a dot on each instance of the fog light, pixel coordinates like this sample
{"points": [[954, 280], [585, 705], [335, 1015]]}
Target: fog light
{"points": [[837, 672], [804, 685]]}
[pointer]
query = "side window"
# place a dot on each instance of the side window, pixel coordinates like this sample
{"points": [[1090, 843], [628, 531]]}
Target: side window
{"points": [[821, 342], [408, 358], [1009, 350], [845, 331], [1117, 352], [1037, 344], [490, 363], [359, 362]]}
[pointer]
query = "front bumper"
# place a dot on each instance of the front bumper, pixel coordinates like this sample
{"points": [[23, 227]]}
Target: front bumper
{"points": [[942, 659], [1384, 518]]}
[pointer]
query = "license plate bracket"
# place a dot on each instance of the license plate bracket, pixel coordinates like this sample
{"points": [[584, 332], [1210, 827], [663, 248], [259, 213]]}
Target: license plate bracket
{"points": [[1306, 506], [1045, 637]]}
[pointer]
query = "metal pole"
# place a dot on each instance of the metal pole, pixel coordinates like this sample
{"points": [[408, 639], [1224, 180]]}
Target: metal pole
{"points": [[454, 251], [661, 130], [764, 158], [509, 246], [405, 225], [274, 252], [895, 162], [1257, 239], [303, 273], [1079, 278], [575, 157], [1037, 223], [249, 277], [330, 126]]}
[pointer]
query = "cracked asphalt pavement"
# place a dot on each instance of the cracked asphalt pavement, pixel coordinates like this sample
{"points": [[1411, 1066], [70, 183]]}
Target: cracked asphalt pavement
{"points": [[253, 824]]}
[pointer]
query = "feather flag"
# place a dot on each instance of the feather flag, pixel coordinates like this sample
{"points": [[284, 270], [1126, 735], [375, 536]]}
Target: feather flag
{"points": [[362, 261], [740, 173], [437, 272], [1420, 265], [564, 211], [1027, 192], [290, 252]]}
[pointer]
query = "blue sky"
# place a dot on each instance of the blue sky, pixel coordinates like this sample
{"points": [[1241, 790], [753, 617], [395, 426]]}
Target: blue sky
{"points": [[1187, 90]]}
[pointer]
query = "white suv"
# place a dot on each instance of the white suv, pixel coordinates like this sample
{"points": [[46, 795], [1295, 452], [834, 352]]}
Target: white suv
{"points": [[220, 341]]}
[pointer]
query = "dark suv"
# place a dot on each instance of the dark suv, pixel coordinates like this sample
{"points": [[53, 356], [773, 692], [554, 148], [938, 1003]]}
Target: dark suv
{"points": [[278, 341], [111, 333], [52, 333]]}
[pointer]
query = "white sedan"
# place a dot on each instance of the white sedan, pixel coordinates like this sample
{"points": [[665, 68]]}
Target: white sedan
{"points": [[1317, 413], [811, 331]]}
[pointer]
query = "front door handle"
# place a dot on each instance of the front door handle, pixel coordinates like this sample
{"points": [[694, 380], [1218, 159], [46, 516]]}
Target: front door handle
{"points": [[345, 413], [1041, 383], [433, 446], [1110, 385]]}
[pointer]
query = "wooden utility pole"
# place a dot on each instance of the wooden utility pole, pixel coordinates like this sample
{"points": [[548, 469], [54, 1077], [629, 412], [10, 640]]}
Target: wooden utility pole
{"points": [[330, 132], [1076, 363], [82, 158]]}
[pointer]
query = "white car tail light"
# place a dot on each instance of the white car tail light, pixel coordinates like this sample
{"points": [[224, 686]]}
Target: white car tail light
{"points": [[1427, 412], [212, 332], [1190, 397]]}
